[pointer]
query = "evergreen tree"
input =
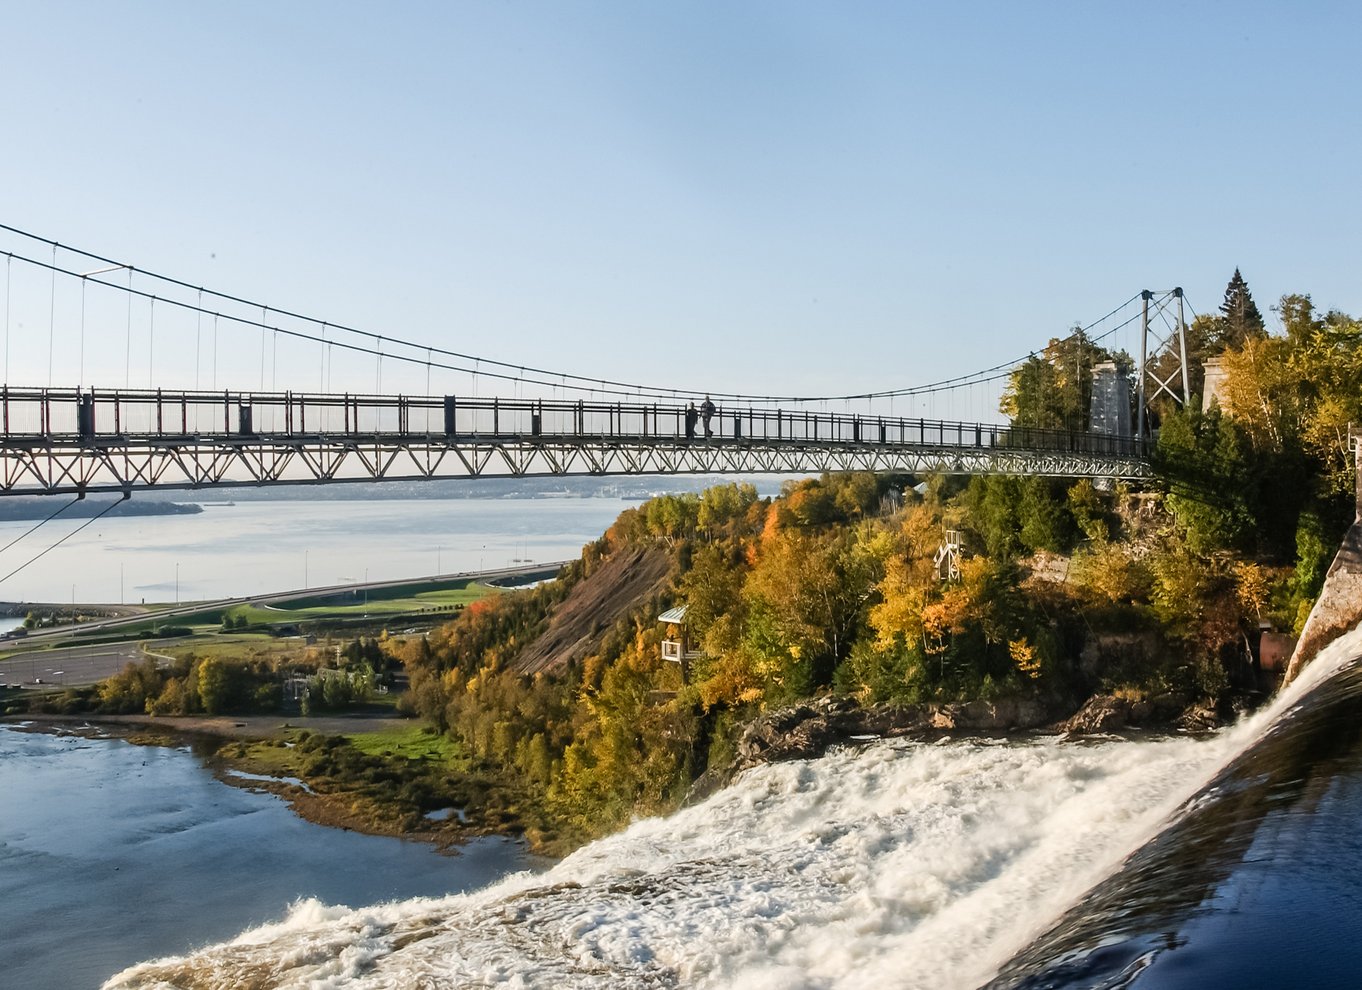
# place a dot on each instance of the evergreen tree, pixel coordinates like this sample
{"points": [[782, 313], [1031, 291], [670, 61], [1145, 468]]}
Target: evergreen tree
{"points": [[1240, 320], [1053, 390]]}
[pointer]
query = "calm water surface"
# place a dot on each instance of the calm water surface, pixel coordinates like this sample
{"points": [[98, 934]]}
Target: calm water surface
{"points": [[249, 548], [112, 853]]}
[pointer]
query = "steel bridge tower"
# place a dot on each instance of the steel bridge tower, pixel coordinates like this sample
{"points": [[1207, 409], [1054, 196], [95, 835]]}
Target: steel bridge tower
{"points": [[1176, 383]]}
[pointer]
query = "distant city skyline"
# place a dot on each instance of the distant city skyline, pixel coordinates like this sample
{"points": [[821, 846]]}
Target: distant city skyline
{"points": [[755, 197]]}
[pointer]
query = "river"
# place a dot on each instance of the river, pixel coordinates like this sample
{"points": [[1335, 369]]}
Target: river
{"points": [[252, 547], [912, 865], [1034, 862], [111, 853]]}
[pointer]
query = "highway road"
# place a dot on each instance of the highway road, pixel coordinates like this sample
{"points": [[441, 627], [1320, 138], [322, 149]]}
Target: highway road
{"points": [[58, 633]]}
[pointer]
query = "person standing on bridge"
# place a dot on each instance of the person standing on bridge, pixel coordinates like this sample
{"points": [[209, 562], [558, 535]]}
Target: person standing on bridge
{"points": [[691, 417], [707, 413]]}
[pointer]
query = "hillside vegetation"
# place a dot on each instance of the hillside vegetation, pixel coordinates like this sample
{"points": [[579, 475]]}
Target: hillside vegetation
{"points": [[559, 698], [1064, 590]]}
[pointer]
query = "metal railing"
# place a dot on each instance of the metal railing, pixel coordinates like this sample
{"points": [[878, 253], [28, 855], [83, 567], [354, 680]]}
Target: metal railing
{"points": [[94, 418]]}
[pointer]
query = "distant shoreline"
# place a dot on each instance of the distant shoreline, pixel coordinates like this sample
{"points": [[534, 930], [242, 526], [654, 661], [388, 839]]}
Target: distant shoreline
{"points": [[24, 507]]}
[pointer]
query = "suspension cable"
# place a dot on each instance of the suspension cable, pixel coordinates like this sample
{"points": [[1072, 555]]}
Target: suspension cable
{"points": [[41, 523], [9, 262], [607, 386], [68, 536]]}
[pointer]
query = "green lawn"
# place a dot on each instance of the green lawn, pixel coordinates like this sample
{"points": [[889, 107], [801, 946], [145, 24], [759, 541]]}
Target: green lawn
{"points": [[430, 598], [410, 740]]}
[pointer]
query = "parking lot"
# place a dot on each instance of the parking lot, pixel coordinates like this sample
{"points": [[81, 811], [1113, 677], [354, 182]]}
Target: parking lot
{"points": [[72, 666]]}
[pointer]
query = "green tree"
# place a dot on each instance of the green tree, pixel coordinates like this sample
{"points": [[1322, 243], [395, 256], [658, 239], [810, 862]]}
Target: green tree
{"points": [[1204, 460], [1240, 320], [1089, 510], [721, 503], [1053, 390], [213, 684], [811, 589], [1110, 574], [711, 588], [1045, 520], [1014, 514]]}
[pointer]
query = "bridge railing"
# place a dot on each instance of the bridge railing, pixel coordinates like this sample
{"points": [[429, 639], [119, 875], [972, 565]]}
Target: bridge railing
{"points": [[94, 417]]}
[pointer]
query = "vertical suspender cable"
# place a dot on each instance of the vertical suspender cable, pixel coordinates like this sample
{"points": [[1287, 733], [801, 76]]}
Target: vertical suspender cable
{"points": [[274, 363], [9, 263], [198, 341], [83, 283], [215, 352], [151, 343], [264, 318], [52, 316], [127, 356], [321, 364]]}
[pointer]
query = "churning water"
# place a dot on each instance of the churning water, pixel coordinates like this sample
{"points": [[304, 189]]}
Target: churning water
{"points": [[895, 865]]}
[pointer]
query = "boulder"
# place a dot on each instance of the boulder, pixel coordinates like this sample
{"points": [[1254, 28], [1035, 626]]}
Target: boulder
{"points": [[1102, 713]]}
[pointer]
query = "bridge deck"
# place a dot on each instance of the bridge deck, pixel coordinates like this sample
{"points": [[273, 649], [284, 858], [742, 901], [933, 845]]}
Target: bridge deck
{"points": [[70, 441]]}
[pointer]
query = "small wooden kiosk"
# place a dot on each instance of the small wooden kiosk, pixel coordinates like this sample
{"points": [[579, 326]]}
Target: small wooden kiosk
{"points": [[676, 647]]}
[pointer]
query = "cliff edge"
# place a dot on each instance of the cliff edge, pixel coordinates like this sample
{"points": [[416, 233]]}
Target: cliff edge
{"points": [[1339, 606]]}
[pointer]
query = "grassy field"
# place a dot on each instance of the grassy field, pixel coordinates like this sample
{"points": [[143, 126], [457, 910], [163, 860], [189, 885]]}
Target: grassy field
{"points": [[428, 598], [388, 780], [432, 599], [407, 741]]}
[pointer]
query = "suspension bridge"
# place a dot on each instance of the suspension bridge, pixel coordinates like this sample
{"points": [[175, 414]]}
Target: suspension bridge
{"points": [[86, 439]]}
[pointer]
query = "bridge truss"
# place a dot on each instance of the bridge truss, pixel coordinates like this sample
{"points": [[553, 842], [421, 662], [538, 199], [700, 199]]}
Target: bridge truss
{"points": [[73, 441]]}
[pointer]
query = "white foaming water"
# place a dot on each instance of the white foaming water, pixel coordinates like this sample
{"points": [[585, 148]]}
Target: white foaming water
{"points": [[898, 865]]}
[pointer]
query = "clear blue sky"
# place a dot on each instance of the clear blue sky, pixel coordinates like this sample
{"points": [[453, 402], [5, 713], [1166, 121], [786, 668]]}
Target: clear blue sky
{"points": [[749, 195]]}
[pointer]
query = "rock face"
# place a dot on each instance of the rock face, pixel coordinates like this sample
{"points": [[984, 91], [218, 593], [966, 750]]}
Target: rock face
{"points": [[1106, 713], [1111, 713], [797, 733], [1339, 607], [807, 730], [991, 716], [1106, 651]]}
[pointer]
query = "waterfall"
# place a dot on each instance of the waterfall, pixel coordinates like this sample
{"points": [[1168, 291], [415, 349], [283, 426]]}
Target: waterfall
{"points": [[896, 864]]}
